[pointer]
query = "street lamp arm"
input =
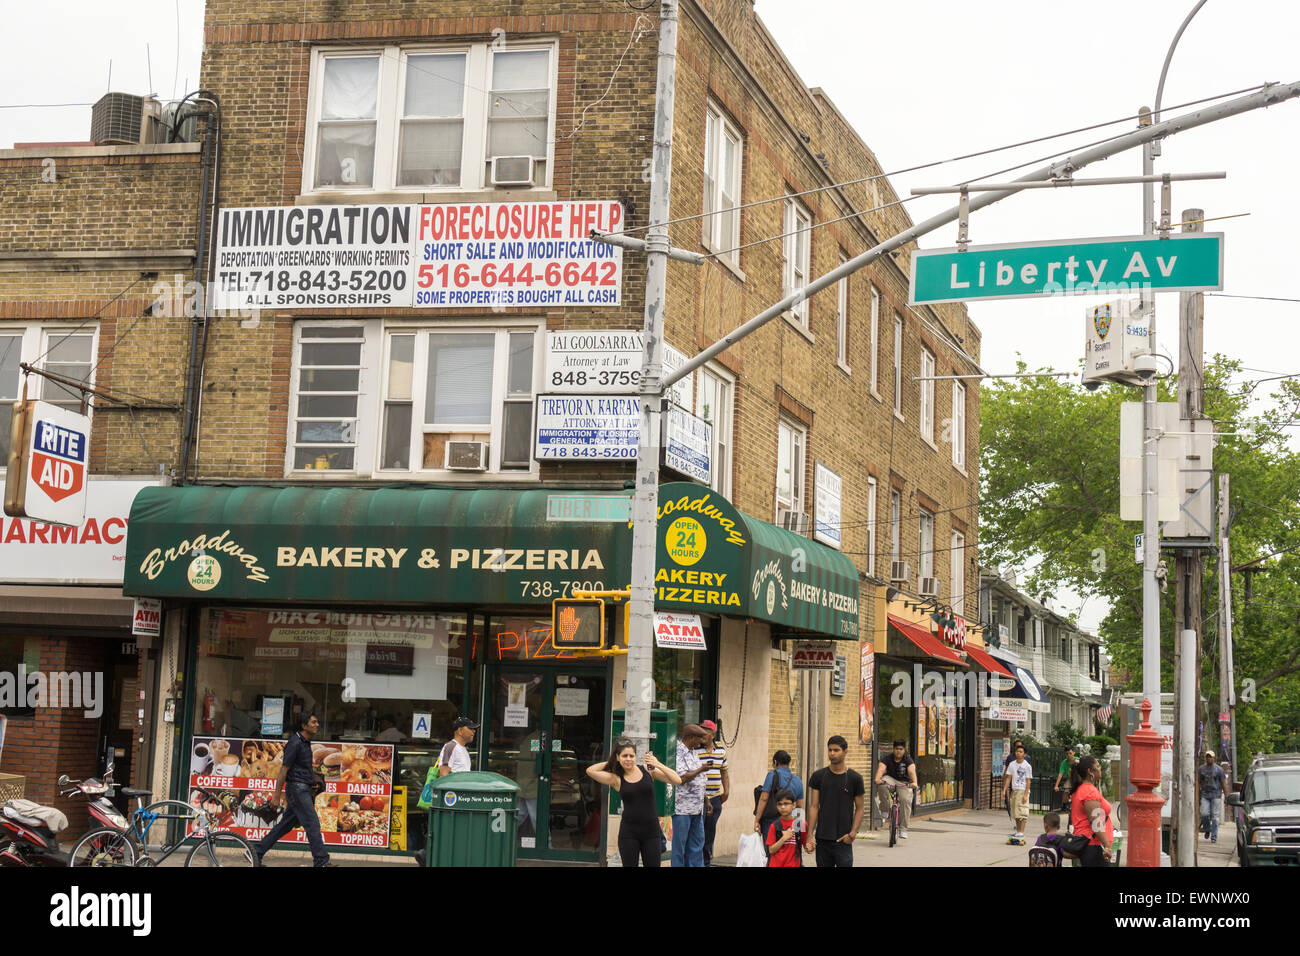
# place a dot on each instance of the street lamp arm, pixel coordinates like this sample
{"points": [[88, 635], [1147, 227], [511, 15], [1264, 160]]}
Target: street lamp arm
{"points": [[1164, 71]]}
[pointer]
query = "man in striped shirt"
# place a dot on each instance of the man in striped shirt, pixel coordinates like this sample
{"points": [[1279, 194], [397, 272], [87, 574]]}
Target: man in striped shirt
{"points": [[717, 783]]}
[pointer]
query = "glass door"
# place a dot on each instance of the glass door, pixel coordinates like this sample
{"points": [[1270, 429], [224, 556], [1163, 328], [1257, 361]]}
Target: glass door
{"points": [[545, 725]]}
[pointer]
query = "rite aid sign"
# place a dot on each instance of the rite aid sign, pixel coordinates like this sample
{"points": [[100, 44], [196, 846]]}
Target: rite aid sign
{"points": [[47, 482]]}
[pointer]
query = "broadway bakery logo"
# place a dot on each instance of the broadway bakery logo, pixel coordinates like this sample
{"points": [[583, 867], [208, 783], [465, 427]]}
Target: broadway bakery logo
{"points": [[58, 459]]}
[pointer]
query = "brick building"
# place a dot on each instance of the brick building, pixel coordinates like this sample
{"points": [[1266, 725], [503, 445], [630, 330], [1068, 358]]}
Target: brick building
{"points": [[326, 426]]}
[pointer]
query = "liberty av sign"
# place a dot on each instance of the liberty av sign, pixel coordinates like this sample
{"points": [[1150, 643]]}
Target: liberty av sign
{"points": [[1182, 263]]}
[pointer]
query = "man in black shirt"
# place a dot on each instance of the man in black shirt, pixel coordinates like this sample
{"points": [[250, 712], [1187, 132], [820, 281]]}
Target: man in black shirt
{"points": [[835, 808], [295, 783], [897, 769]]}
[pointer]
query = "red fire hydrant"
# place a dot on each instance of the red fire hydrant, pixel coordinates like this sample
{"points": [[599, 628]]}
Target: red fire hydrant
{"points": [[1144, 747]]}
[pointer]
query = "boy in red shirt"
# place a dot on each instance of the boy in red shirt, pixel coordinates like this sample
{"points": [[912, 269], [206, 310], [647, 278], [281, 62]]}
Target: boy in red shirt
{"points": [[783, 835]]}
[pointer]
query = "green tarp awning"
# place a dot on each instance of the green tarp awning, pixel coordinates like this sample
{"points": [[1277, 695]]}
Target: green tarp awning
{"points": [[420, 546]]}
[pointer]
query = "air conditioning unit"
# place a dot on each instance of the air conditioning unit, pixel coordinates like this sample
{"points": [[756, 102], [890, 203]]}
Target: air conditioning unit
{"points": [[512, 170], [466, 456], [900, 571], [930, 587], [796, 521], [122, 119]]}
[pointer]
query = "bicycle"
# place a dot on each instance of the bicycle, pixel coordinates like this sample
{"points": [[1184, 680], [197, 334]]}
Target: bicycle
{"points": [[895, 812], [212, 846]]}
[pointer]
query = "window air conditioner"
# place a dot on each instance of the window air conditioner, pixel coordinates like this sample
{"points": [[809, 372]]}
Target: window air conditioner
{"points": [[796, 521], [466, 456], [900, 571], [930, 587], [512, 170]]}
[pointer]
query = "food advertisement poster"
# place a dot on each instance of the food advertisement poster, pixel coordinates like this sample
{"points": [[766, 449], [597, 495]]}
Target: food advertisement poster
{"points": [[354, 810], [867, 694]]}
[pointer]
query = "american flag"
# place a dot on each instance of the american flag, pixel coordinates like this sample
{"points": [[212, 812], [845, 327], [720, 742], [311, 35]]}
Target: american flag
{"points": [[1103, 715]]}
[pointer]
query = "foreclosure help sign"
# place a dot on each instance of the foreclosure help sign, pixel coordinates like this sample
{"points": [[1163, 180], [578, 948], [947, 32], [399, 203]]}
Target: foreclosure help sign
{"points": [[442, 255]]}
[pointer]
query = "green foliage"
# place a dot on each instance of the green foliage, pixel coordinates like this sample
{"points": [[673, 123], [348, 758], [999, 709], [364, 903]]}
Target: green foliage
{"points": [[1064, 734], [1049, 473], [1097, 745]]}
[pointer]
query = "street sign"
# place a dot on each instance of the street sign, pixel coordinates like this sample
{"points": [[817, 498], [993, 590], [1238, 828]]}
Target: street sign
{"points": [[1181, 263], [615, 509], [1137, 548]]}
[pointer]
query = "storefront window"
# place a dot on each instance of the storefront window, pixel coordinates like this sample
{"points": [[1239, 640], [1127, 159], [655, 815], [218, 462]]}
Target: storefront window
{"points": [[18, 652], [935, 732]]}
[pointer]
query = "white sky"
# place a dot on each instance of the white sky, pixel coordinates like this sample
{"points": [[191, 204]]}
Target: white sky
{"points": [[920, 81]]}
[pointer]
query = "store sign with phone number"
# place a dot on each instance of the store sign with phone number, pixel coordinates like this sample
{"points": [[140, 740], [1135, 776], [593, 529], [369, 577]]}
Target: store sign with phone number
{"points": [[354, 810], [441, 255]]}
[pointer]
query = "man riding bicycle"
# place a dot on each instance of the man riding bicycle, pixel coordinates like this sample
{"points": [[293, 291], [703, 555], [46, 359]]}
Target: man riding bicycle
{"points": [[896, 769]]}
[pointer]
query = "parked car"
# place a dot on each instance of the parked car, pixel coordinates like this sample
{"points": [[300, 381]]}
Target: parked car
{"points": [[1267, 812]]}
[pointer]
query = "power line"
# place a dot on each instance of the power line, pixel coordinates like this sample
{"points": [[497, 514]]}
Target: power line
{"points": [[1257, 298], [39, 106]]}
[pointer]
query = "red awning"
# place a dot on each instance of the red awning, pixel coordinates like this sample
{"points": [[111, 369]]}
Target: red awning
{"points": [[987, 662], [926, 642]]}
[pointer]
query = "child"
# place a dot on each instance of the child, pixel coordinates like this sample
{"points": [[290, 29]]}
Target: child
{"points": [[1016, 781], [1050, 839], [783, 835]]}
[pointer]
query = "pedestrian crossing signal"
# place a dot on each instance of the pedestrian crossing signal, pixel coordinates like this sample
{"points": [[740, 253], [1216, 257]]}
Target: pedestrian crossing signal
{"points": [[578, 624]]}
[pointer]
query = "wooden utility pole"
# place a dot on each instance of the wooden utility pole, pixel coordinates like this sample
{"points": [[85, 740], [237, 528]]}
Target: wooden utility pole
{"points": [[1187, 614]]}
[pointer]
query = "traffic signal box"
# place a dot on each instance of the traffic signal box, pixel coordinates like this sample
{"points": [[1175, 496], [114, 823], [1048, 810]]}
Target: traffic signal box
{"points": [[578, 624]]}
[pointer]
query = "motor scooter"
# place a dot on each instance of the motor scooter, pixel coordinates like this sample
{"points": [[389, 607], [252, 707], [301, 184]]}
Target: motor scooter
{"points": [[34, 840]]}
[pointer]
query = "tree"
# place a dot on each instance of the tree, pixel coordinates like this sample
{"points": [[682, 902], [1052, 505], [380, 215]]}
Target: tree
{"points": [[1050, 502]]}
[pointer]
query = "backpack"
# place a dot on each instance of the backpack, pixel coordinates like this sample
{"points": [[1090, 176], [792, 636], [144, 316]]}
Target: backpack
{"points": [[1042, 856], [798, 843], [771, 799]]}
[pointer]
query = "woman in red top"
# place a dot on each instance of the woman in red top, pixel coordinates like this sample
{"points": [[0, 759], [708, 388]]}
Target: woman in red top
{"points": [[1090, 812]]}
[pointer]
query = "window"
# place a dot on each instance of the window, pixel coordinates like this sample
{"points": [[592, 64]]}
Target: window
{"points": [[1022, 622], [927, 395], [875, 339], [433, 386], [957, 572], [842, 318], [722, 152], [895, 526], [871, 525], [69, 353], [898, 365], [16, 652], [792, 441], [959, 425], [925, 544], [715, 408], [1065, 648], [795, 255], [429, 118]]}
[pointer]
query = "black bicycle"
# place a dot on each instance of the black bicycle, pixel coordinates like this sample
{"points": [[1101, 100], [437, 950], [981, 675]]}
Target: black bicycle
{"points": [[895, 810], [202, 828]]}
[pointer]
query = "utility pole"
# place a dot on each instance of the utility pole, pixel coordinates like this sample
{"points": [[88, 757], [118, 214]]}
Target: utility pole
{"points": [[1187, 669], [1227, 689], [640, 692]]}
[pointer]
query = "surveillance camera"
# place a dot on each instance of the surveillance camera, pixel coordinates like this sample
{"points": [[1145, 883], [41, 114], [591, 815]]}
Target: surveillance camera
{"points": [[1092, 386]]}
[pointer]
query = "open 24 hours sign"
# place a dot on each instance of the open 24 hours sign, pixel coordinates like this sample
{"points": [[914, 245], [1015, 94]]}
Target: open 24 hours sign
{"points": [[439, 255]]}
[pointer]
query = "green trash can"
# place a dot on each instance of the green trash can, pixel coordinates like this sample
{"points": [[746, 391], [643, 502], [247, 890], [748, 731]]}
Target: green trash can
{"points": [[473, 821]]}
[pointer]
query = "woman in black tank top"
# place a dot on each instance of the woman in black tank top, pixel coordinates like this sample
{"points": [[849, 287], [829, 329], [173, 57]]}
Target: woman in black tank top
{"points": [[639, 836]]}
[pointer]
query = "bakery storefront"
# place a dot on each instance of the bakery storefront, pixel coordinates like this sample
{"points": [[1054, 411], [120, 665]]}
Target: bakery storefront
{"points": [[388, 612]]}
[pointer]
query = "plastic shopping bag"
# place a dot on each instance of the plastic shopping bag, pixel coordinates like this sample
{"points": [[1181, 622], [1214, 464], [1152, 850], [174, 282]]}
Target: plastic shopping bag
{"points": [[750, 852]]}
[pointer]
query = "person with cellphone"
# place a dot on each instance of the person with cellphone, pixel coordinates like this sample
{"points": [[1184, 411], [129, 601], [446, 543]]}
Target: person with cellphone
{"points": [[639, 836]]}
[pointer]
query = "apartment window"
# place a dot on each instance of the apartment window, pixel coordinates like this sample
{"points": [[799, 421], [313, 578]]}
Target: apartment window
{"points": [[959, 425], [792, 443], [722, 165], [1022, 624], [69, 353], [895, 526], [796, 256], [429, 118], [1065, 648], [875, 339], [716, 409], [842, 318], [957, 572], [871, 525], [925, 545], [898, 365], [423, 388], [927, 395]]}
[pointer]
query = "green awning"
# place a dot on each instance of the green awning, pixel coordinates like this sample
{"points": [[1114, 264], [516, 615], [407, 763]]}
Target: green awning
{"points": [[421, 546]]}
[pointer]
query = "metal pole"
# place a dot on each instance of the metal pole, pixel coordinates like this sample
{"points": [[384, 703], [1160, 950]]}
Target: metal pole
{"points": [[1185, 772], [1227, 691], [1272, 95], [645, 498]]}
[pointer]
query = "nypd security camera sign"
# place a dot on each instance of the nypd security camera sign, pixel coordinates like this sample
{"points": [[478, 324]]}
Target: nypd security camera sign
{"points": [[51, 482]]}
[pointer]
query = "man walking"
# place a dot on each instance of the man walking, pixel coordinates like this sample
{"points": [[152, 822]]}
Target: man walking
{"points": [[1019, 773], [835, 808], [294, 782], [895, 770], [717, 784], [689, 808], [454, 757], [1213, 783]]}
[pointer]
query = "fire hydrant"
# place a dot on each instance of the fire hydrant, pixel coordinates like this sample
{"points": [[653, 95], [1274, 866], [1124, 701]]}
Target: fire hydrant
{"points": [[1144, 748]]}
